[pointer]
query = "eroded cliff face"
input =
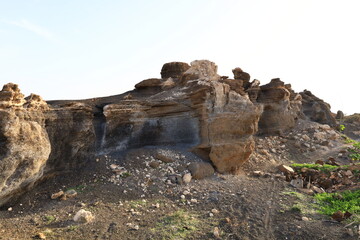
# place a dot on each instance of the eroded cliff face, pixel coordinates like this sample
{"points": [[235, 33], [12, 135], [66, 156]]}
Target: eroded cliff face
{"points": [[37, 141], [190, 106], [24, 142]]}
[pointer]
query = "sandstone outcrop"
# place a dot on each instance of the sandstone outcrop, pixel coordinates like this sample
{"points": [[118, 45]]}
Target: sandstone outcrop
{"points": [[174, 69], [190, 106], [316, 109], [282, 107], [25, 146], [38, 141], [199, 111]]}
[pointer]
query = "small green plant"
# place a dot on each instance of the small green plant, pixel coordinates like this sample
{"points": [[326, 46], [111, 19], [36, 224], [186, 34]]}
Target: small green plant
{"points": [[355, 156], [341, 127], [72, 228], [49, 219], [79, 188], [355, 151], [345, 201], [323, 168]]}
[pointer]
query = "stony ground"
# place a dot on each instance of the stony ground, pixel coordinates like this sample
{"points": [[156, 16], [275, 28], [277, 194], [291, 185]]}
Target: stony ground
{"points": [[141, 194]]}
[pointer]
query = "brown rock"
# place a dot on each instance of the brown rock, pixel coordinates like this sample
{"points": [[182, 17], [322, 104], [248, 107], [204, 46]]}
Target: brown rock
{"points": [[57, 195], [338, 216], [164, 157], [286, 169], [174, 69], [316, 109], [152, 82], [281, 110], [326, 183], [154, 164], [201, 170]]}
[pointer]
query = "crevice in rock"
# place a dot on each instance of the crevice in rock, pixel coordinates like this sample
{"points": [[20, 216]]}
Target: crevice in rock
{"points": [[99, 123]]}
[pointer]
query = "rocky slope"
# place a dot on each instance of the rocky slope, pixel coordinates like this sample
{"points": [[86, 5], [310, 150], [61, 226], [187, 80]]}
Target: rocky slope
{"points": [[190, 106]]}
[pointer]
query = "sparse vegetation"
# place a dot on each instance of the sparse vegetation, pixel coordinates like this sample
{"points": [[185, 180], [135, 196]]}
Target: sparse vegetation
{"points": [[177, 225], [341, 127], [49, 219], [324, 168], [355, 151], [345, 201]]}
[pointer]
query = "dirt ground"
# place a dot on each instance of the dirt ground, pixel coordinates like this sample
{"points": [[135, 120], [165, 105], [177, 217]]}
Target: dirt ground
{"points": [[145, 204]]}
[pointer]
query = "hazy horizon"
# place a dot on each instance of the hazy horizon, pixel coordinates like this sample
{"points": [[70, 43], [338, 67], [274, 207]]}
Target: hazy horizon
{"points": [[86, 49]]}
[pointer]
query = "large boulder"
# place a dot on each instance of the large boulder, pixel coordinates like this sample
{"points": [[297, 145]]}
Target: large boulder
{"points": [[174, 69], [25, 145], [316, 109], [282, 107]]}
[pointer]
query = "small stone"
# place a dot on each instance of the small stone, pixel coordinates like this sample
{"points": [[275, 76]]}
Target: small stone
{"points": [[273, 150], [187, 178], [211, 214], [286, 169], [201, 170], [10, 209], [306, 138], [338, 216], [297, 183], [258, 173], [317, 189], [70, 193], [157, 205], [306, 219], [349, 173], [40, 235], [186, 192], [113, 166], [84, 216], [193, 200], [216, 232], [214, 211], [57, 195], [326, 183], [182, 196], [154, 164]]}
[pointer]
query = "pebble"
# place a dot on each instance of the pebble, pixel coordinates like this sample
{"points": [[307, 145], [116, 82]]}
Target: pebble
{"points": [[186, 192], [182, 196], [306, 219], [10, 209], [193, 200], [187, 178], [214, 211]]}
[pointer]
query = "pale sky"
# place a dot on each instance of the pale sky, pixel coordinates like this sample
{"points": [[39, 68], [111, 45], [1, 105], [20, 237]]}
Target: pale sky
{"points": [[75, 49]]}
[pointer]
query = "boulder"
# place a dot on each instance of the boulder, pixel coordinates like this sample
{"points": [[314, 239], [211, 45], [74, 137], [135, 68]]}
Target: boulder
{"points": [[281, 107], [25, 145], [316, 109], [239, 74], [174, 69], [151, 82], [201, 170]]}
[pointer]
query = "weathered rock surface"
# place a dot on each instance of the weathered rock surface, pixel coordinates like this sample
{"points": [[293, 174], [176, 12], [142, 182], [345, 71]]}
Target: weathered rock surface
{"points": [[190, 106], [200, 112], [316, 109], [282, 107], [174, 69], [38, 141], [25, 146]]}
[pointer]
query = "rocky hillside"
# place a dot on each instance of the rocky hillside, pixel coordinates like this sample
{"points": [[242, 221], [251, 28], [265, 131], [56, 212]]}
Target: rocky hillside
{"points": [[193, 120]]}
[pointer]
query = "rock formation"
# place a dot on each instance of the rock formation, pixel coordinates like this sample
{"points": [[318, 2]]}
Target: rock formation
{"points": [[190, 106], [25, 145], [316, 109]]}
